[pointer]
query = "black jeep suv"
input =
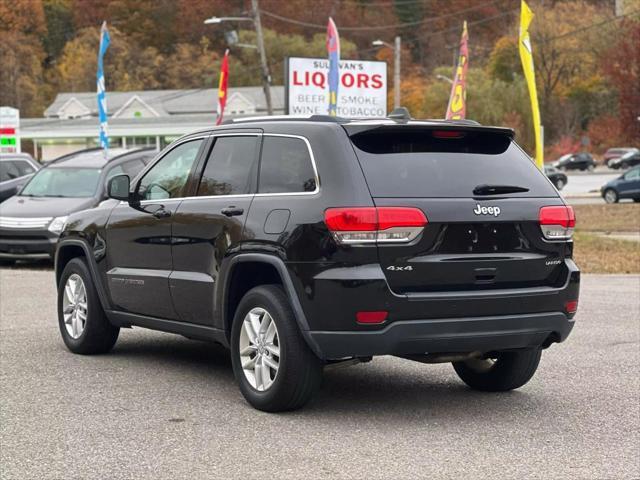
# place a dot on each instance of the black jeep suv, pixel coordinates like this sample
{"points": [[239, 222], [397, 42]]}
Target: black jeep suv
{"points": [[300, 243]]}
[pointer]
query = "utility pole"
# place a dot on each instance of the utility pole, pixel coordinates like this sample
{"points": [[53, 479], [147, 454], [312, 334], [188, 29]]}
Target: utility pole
{"points": [[396, 73], [397, 52], [266, 77]]}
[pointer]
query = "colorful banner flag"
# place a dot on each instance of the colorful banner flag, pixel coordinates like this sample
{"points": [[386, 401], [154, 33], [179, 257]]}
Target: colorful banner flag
{"points": [[105, 40], [457, 108], [222, 86], [526, 57], [333, 50]]}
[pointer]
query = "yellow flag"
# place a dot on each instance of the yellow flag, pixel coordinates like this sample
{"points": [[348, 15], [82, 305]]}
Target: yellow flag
{"points": [[526, 57]]}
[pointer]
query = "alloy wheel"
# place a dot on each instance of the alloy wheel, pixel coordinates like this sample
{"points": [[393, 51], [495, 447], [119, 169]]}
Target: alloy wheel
{"points": [[259, 349], [74, 306]]}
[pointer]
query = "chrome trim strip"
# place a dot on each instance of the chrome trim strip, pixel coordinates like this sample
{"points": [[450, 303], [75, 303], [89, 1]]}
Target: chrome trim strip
{"points": [[245, 195], [24, 222]]}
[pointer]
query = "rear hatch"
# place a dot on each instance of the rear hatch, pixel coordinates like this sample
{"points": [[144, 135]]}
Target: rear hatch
{"points": [[482, 197]]}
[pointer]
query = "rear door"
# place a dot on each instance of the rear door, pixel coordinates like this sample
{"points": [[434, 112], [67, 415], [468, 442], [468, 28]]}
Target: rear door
{"points": [[482, 198], [208, 225]]}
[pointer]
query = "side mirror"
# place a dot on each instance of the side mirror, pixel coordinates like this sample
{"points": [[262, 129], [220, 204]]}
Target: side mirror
{"points": [[118, 187]]}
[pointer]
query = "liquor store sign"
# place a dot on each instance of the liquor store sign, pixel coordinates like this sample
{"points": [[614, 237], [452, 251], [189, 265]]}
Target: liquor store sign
{"points": [[9, 130], [362, 90]]}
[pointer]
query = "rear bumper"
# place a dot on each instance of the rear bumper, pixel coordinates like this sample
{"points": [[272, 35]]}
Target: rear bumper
{"points": [[430, 322], [482, 334]]}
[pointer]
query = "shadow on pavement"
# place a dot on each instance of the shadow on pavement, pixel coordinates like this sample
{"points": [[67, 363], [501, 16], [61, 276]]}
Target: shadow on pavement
{"points": [[403, 391], [29, 265]]}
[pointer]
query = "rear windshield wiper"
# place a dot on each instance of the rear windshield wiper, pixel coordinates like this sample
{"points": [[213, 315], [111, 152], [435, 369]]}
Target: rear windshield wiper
{"points": [[498, 189]]}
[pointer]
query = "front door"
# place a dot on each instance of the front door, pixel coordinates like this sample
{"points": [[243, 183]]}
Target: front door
{"points": [[139, 239], [209, 226]]}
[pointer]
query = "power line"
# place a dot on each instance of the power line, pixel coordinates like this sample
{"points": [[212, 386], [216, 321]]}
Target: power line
{"points": [[300, 23], [589, 27]]}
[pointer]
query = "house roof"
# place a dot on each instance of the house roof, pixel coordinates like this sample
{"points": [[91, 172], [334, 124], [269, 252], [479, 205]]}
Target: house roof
{"points": [[167, 102]]}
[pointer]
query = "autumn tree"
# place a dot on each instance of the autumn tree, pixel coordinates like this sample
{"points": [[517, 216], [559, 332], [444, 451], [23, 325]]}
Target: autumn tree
{"points": [[21, 74]]}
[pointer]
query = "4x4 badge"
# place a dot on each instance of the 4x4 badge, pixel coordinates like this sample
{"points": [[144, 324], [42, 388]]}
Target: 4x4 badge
{"points": [[495, 211]]}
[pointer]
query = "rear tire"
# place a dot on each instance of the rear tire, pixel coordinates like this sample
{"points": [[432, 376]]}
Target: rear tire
{"points": [[83, 324], [610, 196], [299, 372], [559, 184], [509, 370]]}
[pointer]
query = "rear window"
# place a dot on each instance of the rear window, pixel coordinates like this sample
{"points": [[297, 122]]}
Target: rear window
{"points": [[433, 163]]}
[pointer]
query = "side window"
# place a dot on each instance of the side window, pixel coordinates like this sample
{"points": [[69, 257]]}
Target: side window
{"points": [[24, 168], [168, 177], [230, 166], [285, 166], [117, 170], [132, 167], [8, 170], [632, 175]]}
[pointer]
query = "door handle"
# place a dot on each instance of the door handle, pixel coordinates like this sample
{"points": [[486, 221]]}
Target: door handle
{"points": [[162, 213], [232, 211]]}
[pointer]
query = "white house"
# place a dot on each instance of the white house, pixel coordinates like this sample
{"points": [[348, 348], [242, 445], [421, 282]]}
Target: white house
{"points": [[138, 118]]}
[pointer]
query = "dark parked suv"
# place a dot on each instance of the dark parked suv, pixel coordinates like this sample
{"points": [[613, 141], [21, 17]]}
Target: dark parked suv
{"points": [[301, 243], [31, 221]]}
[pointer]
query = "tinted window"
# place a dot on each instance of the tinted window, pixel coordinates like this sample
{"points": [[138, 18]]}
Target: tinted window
{"points": [[24, 168], [63, 182], [416, 163], [8, 171], [632, 175], [229, 167], [132, 167], [285, 166], [168, 177]]}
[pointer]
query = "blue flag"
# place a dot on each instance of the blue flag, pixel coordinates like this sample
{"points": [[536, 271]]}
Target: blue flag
{"points": [[333, 50], [102, 99]]}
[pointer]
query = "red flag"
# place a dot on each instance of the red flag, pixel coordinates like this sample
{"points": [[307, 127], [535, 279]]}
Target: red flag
{"points": [[457, 108], [222, 86]]}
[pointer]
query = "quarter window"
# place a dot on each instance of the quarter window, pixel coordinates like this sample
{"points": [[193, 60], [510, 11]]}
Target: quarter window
{"points": [[230, 167], [168, 177], [285, 166]]}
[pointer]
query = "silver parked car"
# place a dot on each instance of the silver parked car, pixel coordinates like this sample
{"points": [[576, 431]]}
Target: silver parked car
{"points": [[15, 170]]}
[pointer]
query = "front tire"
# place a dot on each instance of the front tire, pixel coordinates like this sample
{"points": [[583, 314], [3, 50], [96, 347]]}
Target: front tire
{"points": [[559, 184], [273, 365], [610, 196], [83, 324], [507, 371]]}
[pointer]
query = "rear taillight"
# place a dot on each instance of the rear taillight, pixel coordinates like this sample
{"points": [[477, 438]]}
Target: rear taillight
{"points": [[374, 317], [557, 223], [571, 306], [447, 134], [375, 224]]}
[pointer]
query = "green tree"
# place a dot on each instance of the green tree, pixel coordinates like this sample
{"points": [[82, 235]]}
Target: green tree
{"points": [[60, 26]]}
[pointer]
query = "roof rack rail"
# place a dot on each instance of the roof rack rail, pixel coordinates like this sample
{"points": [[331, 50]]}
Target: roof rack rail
{"points": [[131, 152], [67, 156], [285, 118]]}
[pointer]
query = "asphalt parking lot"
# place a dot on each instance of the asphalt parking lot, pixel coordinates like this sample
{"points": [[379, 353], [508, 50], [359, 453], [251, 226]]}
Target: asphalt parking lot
{"points": [[160, 406]]}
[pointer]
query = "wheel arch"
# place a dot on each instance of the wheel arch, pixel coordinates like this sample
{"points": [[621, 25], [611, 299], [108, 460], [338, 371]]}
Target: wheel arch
{"points": [[67, 250], [249, 270]]}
